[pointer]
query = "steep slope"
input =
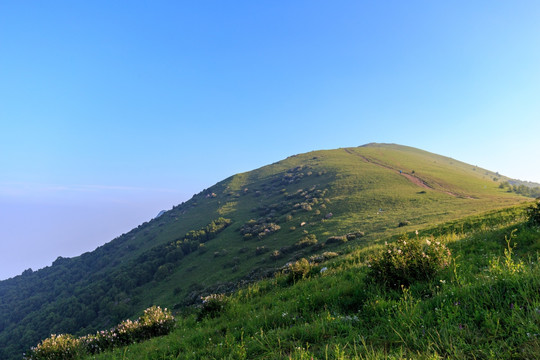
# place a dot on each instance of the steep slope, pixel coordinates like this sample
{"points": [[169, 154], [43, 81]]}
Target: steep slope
{"points": [[302, 205], [484, 303]]}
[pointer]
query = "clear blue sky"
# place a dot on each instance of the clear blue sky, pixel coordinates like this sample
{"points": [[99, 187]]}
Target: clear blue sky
{"points": [[111, 111]]}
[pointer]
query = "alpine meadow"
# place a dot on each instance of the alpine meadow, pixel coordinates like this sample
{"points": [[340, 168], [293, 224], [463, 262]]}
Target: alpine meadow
{"points": [[374, 252]]}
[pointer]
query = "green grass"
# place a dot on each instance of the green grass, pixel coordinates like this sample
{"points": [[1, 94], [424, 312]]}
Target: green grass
{"points": [[356, 191], [361, 187], [486, 305]]}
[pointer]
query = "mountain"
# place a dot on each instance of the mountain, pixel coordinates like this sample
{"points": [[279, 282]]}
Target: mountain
{"points": [[245, 228], [467, 289]]}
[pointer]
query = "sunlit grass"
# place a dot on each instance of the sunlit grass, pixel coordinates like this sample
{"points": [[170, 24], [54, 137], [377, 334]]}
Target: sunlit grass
{"points": [[484, 305]]}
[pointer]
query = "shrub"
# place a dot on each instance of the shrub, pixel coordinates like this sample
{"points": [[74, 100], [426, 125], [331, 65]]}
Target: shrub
{"points": [[324, 256], [101, 341], [308, 240], [336, 239], [286, 249], [56, 347], [212, 305], [404, 223], [534, 213], [299, 270], [202, 248], [154, 322], [408, 261], [261, 250], [355, 235], [259, 229]]}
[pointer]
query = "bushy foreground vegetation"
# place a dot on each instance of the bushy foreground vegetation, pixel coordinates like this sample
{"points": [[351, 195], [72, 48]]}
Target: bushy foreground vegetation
{"points": [[154, 322], [476, 296]]}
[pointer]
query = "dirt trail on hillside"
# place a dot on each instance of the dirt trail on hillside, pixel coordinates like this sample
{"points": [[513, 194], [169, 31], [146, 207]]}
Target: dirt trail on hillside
{"points": [[411, 177], [417, 181]]}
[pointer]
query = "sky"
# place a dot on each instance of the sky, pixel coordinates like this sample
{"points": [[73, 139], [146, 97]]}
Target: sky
{"points": [[113, 111]]}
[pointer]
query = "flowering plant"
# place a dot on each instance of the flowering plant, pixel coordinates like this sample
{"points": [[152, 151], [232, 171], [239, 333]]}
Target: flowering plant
{"points": [[407, 261], [56, 347], [154, 322], [212, 305]]}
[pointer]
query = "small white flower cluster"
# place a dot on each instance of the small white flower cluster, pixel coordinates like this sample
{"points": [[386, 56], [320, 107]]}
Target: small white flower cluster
{"points": [[349, 318], [63, 346], [213, 304], [154, 322], [212, 297], [409, 260]]}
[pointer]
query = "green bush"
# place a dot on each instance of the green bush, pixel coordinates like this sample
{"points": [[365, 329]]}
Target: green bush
{"points": [[56, 347], [336, 240], [261, 250], [154, 322], [355, 235], [259, 228], [101, 341], [323, 257], [213, 305], [306, 241], [298, 270], [408, 261]]}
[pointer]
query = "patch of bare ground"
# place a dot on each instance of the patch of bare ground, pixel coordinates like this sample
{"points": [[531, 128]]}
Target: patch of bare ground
{"points": [[411, 177]]}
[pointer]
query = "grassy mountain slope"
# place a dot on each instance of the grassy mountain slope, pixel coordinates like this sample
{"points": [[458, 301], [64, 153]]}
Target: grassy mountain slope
{"points": [[362, 195], [485, 305], [372, 191]]}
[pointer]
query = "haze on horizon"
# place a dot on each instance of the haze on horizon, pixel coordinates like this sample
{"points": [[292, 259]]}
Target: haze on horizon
{"points": [[113, 112]]}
